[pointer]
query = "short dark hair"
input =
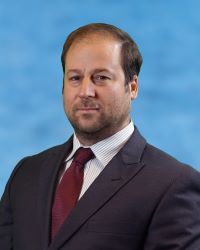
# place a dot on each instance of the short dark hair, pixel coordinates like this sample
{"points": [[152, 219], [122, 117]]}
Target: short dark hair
{"points": [[131, 59]]}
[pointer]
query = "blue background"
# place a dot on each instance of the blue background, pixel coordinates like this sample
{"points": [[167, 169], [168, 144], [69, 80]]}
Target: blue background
{"points": [[31, 37]]}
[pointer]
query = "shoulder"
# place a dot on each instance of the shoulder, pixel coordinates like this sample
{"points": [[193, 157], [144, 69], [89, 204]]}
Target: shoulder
{"points": [[46, 153], [42, 156], [166, 167], [154, 158], [30, 165]]}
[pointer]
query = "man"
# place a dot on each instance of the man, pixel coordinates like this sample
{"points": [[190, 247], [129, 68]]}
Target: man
{"points": [[129, 195]]}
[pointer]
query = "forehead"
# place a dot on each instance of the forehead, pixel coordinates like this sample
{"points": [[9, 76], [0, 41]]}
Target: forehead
{"points": [[94, 48], [90, 37]]}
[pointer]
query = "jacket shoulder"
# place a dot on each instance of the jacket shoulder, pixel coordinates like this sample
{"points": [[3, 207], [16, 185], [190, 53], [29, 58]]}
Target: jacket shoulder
{"points": [[52, 150], [158, 159], [32, 163]]}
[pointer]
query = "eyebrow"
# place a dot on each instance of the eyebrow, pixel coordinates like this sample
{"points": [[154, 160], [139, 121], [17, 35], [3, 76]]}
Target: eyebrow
{"points": [[73, 71], [102, 70], [99, 70]]}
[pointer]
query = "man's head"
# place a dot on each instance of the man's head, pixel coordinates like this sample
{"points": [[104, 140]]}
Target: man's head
{"points": [[96, 99], [131, 59]]}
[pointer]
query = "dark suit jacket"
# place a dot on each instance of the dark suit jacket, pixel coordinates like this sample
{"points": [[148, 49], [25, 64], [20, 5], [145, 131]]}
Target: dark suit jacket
{"points": [[143, 200]]}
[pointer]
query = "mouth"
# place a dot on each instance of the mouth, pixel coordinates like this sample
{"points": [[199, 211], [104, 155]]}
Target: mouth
{"points": [[87, 109]]}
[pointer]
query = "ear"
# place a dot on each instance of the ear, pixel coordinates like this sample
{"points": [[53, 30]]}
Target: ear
{"points": [[63, 85], [133, 85]]}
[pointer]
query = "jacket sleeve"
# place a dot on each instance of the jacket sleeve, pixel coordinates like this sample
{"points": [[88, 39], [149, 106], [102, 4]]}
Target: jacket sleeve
{"points": [[6, 216], [175, 224]]}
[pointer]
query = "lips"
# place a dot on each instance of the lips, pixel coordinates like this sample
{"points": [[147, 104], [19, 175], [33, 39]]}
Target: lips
{"points": [[87, 110]]}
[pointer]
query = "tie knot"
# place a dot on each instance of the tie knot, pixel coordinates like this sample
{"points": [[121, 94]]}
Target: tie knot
{"points": [[83, 155]]}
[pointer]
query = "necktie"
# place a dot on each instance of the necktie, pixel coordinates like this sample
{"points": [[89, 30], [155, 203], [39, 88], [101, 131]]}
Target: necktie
{"points": [[68, 190]]}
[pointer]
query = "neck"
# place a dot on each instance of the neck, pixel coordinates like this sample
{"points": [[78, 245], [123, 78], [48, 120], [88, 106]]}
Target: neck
{"points": [[89, 139]]}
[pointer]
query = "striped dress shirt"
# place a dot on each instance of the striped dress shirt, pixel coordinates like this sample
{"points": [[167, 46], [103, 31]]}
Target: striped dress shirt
{"points": [[104, 151]]}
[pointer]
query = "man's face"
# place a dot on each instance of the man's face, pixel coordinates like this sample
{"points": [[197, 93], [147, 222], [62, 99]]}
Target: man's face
{"points": [[96, 101]]}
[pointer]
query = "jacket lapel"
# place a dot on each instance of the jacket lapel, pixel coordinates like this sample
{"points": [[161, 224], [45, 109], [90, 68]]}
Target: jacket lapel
{"points": [[121, 169], [47, 183]]}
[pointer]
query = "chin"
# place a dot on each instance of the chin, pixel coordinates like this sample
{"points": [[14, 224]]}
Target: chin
{"points": [[89, 128]]}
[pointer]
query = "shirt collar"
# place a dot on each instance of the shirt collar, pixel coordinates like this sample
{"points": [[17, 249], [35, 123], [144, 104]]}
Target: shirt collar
{"points": [[106, 149]]}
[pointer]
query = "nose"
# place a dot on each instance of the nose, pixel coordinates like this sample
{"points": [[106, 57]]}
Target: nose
{"points": [[87, 88]]}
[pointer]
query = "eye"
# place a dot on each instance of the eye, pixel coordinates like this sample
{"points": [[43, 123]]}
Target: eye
{"points": [[101, 78], [74, 78]]}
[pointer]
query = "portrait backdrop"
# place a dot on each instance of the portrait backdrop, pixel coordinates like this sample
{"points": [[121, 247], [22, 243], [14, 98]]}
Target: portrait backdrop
{"points": [[32, 34]]}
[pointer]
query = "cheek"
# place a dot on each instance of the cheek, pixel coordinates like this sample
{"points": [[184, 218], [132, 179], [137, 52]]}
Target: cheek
{"points": [[117, 98], [121, 104], [111, 103], [68, 96], [67, 102]]}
